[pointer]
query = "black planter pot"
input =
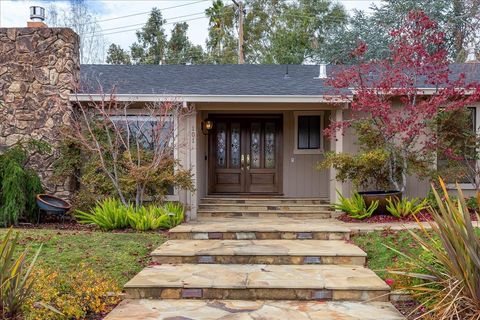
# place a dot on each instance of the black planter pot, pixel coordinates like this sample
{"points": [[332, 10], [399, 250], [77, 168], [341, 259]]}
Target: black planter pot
{"points": [[381, 196]]}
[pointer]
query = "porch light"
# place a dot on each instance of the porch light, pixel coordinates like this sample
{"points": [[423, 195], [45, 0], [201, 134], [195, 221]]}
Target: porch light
{"points": [[207, 126]]}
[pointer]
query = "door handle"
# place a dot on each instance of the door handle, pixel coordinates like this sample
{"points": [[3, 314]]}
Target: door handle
{"points": [[248, 161], [242, 161]]}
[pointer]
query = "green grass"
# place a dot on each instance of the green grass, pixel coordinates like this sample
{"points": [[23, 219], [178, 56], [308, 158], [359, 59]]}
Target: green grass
{"points": [[118, 256], [379, 256]]}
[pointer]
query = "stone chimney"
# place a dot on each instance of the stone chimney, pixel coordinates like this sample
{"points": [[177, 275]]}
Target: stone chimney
{"points": [[39, 68]]}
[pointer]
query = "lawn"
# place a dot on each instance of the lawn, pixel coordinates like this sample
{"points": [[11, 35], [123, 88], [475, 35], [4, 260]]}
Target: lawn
{"points": [[118, 256], [380, 257], [80, 274]]}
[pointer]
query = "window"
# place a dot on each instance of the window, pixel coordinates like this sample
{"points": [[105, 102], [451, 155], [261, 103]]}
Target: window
{"points": [[308, 132], [151, 133], [456, 131]]}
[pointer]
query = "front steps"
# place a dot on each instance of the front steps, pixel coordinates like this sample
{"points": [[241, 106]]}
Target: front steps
{"points": [[247, 310], [239, 266], [280, 252], [271, 228], [258, 282], [263, 207]]}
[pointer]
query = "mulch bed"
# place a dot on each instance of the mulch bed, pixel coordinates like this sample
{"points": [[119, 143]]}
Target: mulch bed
{"points": [[410, 309], [422, 216]]}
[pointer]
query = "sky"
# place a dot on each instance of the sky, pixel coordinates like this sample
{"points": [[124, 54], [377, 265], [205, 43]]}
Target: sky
{"points": [[15, 13]]}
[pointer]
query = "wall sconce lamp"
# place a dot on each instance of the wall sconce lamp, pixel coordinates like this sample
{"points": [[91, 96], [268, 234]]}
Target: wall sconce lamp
{"points": [[207, 126]]}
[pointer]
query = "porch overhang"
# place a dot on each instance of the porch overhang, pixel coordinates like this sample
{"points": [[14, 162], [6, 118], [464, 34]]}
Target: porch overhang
{"points": [[85, 97]]}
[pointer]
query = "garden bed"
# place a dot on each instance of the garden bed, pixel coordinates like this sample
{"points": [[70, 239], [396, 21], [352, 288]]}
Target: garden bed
{"points": [[79, 264], [422, 216]]}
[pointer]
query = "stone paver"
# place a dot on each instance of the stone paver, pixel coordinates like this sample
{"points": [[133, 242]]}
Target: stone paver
{"points": [[274, 224], [252, 310], [298, 281], [252, 258], [259, 252]]}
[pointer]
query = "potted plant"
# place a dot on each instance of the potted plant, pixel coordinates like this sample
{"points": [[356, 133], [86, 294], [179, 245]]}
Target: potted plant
{"points": [[368, 172]]}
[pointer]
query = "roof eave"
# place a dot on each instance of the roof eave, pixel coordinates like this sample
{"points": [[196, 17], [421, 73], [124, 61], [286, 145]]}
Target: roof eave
{"points": [[83, 97]]}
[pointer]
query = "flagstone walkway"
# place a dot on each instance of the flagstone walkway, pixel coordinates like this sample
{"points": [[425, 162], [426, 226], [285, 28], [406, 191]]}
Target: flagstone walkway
{"points": [[270, 266]]}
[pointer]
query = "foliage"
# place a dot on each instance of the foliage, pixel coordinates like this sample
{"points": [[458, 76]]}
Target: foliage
{"points": [[151, 42], [111, 214], [175, 213], [179, 48], [117, 55], [364, 170], [355, 206], [457, 19], [16, 276], [417, 57], [108, 214], [451, 284], [131, 157], [78, 295], [19, 184], [405, 207], [457, 147]]}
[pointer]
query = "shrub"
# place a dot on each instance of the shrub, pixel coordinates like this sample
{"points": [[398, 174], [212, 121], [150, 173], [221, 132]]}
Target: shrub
{"points": [[16, 276], [108, 214], [175, 213], [111, 214], [355, 206], [18, 185], [147, 218], [451, 280], [404, 207], [79, 295]]}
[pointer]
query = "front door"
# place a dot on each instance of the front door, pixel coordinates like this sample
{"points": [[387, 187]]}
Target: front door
{"points": [[245, 154]]}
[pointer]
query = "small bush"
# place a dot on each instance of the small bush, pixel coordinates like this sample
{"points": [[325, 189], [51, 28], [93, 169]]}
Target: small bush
{"points": [[18, 185], [405, 207], [147, 218], [108, 214], [79, 295], [16, 276], [111, 214], [355, 206]]}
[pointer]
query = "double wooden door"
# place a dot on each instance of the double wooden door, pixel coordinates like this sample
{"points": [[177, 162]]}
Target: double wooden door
{"points": [[245, 154]]}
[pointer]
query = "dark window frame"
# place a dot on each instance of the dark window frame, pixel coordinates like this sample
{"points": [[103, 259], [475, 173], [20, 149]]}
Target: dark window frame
{"points": [[310, 131]]}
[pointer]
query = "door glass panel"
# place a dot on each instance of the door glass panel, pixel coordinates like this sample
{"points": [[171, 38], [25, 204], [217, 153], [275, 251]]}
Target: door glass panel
{"points": [[270, 145], [221, 144], [235, 145], [255, 145]]}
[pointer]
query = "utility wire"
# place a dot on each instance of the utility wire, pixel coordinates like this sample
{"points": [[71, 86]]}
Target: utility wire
{"points": [[146, 12]]}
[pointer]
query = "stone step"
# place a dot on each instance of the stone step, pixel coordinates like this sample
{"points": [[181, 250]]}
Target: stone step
{"points": [[261, 229], [258, 282], [242, 310], [264, 207], [259, 252], [263, 200], [268, 213]]}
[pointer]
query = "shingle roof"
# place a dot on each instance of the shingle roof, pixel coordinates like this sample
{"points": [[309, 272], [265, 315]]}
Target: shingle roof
{"points": [[217, 79]]}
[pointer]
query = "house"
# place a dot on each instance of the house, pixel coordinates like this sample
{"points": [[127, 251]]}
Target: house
{"points": [[256, 129]]}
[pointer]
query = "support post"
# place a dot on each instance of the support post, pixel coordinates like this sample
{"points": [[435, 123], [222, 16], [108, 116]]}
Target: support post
{"points": [[336, 145], [192, 164]]}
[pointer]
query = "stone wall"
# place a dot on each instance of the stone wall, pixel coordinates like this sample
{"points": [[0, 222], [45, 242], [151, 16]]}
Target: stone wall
{"points": [[39, 67]]}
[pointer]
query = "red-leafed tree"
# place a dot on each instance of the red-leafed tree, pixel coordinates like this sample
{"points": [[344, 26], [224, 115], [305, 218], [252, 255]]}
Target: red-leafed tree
{"points": [[417, 77]]}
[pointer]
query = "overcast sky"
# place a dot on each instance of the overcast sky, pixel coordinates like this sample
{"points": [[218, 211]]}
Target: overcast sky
{"points": [[15, 13]]}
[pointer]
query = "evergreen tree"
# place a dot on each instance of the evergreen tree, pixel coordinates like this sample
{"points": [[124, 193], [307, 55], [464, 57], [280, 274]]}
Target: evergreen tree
{"points": [[116, 55], [151, 44], [179, 48]]}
